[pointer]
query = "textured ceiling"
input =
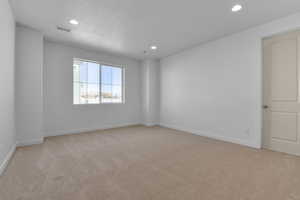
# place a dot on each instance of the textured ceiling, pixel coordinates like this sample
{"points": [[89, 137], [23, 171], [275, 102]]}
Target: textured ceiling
{"points": [[128, 27]]}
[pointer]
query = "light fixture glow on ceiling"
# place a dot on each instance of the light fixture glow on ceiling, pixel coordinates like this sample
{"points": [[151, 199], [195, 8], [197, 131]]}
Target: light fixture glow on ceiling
{"points": [[153, 47], [237, 8], [74, 22]]}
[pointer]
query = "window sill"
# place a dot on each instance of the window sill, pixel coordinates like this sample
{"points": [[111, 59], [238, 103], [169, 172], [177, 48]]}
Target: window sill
{"points": [[93, 104]]}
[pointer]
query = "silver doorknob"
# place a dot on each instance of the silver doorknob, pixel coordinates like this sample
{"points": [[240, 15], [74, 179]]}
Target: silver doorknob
{"points": [[265, 107]]}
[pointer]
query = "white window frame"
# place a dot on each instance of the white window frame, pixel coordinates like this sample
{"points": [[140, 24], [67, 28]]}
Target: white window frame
{"points": [[100, 81]]}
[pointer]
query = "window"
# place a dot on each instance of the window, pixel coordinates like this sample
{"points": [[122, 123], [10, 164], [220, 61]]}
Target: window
{"points": [[94, 83]]}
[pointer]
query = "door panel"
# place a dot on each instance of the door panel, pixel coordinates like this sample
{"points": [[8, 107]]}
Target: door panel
{"points": [[284, 126], [281, 93], [284, 71]]}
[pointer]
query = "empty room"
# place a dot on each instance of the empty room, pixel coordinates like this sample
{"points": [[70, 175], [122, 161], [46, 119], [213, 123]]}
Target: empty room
{"points": [[150, 100]]}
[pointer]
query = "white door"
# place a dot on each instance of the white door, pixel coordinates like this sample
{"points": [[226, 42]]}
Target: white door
{"points": [[281, 93]]}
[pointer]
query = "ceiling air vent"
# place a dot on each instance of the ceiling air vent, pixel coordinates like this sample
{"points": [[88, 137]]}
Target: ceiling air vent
{"points": [[63, 29]]}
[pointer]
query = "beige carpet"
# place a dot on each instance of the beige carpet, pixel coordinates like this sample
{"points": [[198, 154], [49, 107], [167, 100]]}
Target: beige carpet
{"points": [[139, 163]]}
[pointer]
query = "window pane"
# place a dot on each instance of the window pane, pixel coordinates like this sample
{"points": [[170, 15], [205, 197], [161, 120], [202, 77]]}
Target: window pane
{"points": [[83, 72], [93, 93], [106, 75], [106, 93], [76, 70], [76, 93], [116, 76], [83, 93], [93, 73], [86, 85], [116, 94]]}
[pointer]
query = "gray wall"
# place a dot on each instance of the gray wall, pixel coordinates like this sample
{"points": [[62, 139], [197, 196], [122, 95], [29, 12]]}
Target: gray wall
{"points": [[62, 117], [29, 96], [150, 92], [215, 89], [7, 48]]}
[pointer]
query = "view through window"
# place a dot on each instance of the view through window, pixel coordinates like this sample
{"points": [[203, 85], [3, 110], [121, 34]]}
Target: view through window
{"points": [[94, 83]]}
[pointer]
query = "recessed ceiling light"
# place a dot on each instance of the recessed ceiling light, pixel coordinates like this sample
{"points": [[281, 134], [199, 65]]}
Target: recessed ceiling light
{"points": [[153, 47], [237, 8], [74, 22]]}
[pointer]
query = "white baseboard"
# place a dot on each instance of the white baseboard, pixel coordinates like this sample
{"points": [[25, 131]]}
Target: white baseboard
{"points": [[213, 136], [30, 142], [150, 124], [7, 159], [82, 130]]}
